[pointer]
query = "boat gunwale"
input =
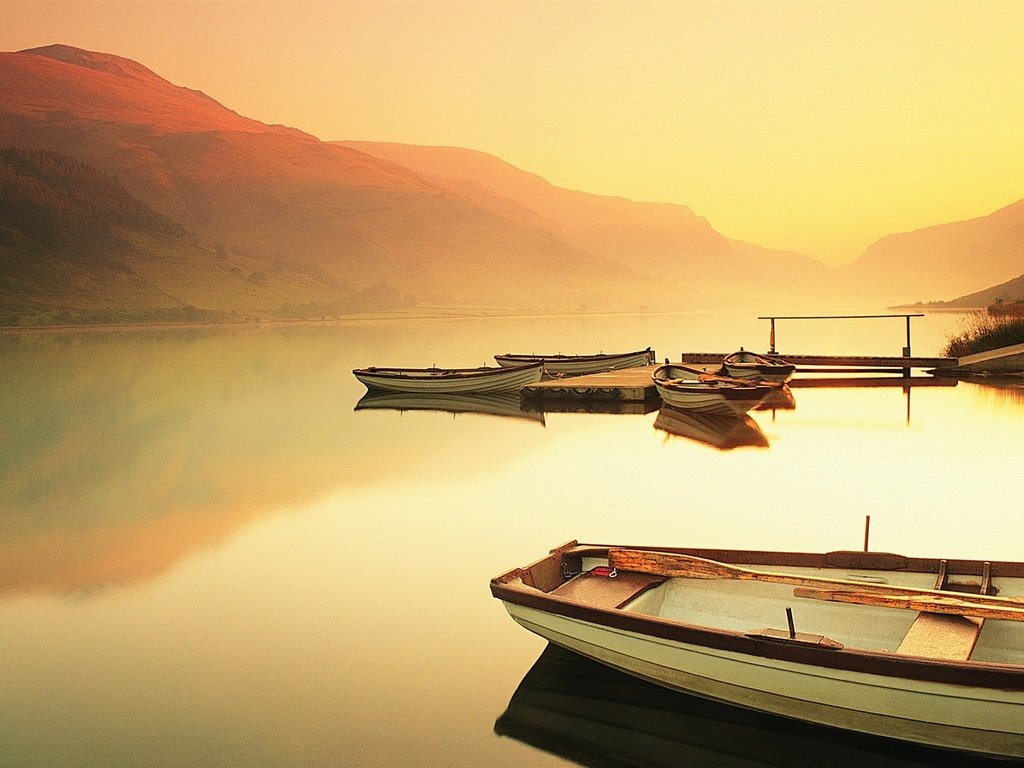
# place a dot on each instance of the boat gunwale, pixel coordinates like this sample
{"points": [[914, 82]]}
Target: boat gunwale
{"points": [[968, 673], [560, 358]]}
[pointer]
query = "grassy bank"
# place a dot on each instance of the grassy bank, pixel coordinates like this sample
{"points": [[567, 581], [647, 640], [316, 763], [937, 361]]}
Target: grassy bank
{"points": [[982, 332]]}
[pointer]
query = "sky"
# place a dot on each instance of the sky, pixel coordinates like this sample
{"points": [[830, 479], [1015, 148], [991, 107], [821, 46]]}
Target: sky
{"points": [[815, 127]]}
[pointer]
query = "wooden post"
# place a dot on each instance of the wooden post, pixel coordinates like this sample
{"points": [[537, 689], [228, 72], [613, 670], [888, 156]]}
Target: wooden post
{"points": [[867, 530], [789, 619]]}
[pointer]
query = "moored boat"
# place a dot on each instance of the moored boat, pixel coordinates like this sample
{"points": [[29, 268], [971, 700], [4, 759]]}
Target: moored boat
{"points": [[579, 365], [921, 650], [684, 386], [744, 364], [425, 380]]}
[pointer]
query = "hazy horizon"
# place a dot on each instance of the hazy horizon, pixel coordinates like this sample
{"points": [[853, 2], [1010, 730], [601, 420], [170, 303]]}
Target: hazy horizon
{"points": [[814, 128]]}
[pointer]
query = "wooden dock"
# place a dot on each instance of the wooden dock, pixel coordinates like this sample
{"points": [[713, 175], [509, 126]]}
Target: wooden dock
{"points": [[635, 385]]}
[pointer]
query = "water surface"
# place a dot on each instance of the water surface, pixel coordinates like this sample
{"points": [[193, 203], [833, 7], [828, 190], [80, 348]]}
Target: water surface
{"points": [[209, 557]]}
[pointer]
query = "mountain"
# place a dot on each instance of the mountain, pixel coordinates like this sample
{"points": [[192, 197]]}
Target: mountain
{"points": [[299, 220], [667, 243], [262, 220], [295, 226], [942, 261], [1010, 292]]}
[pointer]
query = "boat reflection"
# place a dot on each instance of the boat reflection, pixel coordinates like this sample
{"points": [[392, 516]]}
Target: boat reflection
{"points": [[779, 399], [505, 404], [582, 711], [723, 429]]}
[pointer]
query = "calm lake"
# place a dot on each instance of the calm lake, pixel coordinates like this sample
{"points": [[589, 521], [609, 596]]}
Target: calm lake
{"points": [[209, 557]]}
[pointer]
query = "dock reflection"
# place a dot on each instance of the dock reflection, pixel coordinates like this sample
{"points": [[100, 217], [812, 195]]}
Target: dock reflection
{"points": [[592, 715]]}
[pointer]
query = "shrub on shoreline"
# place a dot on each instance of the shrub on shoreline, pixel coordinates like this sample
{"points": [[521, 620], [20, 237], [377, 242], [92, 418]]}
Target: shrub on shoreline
{"points": [[983, 332]]}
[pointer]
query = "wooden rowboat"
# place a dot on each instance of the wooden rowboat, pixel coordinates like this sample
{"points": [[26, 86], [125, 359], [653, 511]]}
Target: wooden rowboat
{"points": [[683, 386], [744, 364], [425, 380], [915, 649], [578, 365]]}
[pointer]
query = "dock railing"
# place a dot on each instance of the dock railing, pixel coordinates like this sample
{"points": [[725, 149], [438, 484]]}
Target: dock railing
{"points": [[773, 318]]}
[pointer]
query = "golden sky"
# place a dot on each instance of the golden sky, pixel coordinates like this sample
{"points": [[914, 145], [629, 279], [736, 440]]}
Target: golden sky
{"points": [[816, 127]]}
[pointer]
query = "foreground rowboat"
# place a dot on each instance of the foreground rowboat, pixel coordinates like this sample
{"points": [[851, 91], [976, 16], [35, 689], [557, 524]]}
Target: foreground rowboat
{"points": [[425, 380], [919, 650], [578, 365]]}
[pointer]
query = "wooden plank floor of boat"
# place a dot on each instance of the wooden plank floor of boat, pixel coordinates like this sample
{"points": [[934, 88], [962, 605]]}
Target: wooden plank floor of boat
{"points": [[607, 592]]}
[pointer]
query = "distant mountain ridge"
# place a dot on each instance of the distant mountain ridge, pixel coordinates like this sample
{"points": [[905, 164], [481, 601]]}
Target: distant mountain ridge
{"points": [[280, 224], [946, 260]]}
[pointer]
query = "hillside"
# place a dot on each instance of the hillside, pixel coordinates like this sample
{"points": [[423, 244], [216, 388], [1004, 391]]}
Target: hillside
{"points": [[667, 243], [267, 221], [949, 260], [323, 221], [1010, 292]]}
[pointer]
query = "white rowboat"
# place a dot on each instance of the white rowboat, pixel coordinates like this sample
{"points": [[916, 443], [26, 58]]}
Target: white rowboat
{"points": [[578, 365], [683, 386], [920, 650], [744, 364], [426, 380]]}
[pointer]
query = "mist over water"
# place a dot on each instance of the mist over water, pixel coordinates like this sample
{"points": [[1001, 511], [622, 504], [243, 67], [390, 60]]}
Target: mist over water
{"points": [[210, 558]]}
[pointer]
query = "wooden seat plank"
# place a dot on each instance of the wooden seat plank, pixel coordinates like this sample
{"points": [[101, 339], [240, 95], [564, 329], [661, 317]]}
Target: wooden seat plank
{"points": [[605, 592], [941, 636]]}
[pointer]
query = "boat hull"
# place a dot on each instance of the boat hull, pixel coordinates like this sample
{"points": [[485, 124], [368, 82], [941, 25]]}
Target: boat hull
{"points": [[580, 365], [458, 380], [710, 398], [923, 712]]}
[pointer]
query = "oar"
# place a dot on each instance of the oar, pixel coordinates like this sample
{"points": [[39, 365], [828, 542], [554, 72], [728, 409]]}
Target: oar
{"points": [[929, 603], [689, 566]]}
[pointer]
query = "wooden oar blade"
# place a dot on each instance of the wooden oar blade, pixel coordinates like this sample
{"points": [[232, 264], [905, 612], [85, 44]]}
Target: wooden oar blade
{"points": [[673, 564]]}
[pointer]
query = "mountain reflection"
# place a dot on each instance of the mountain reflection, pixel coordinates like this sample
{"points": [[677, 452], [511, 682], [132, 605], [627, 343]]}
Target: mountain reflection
{"points": [[592, 715], [123, 451]]}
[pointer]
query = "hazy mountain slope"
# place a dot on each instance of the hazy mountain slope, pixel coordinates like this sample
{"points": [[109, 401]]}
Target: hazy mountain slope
{"points": [[296, 209], [945, 260], [1009, 292], [75, 246], [668, 243]]}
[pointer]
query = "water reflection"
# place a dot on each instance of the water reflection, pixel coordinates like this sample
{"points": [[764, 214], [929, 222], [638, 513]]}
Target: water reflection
{"points": [[123, 452], [724, 429], [583, 711], [505, 404]]}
